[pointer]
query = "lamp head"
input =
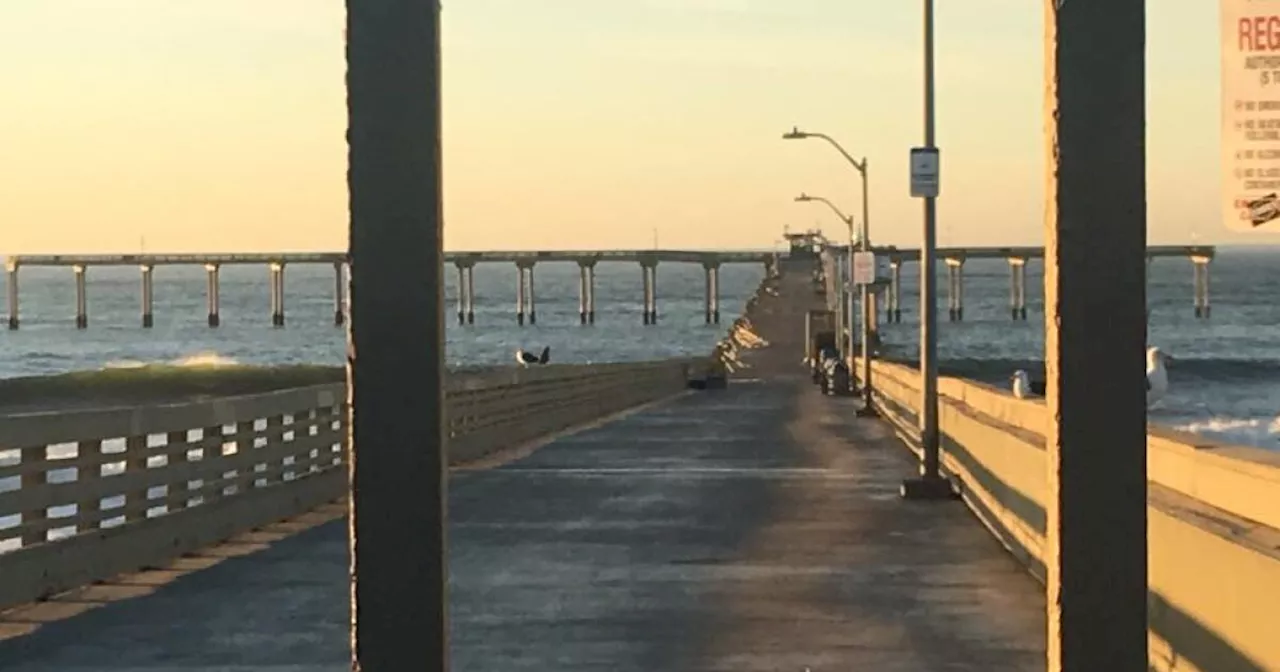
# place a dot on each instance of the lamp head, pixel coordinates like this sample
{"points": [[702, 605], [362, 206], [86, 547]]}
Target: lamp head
{"points": [[803, 197], [794, 134]]}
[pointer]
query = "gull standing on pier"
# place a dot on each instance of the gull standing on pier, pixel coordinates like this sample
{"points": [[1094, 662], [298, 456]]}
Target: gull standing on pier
{"points": [[1157, 376], [1157, 379], [528, 358]]}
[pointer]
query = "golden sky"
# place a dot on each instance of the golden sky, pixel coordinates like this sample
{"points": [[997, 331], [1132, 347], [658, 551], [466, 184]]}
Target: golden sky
{"points": [[202, 125]]}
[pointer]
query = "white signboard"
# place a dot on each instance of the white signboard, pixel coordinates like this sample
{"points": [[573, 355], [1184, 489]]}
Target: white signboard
{"points": [[924, 172], [864, 268], [1251, 115]]}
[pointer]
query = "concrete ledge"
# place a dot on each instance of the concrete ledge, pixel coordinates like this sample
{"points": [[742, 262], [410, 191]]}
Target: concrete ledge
{"points": [[1214, 535]]}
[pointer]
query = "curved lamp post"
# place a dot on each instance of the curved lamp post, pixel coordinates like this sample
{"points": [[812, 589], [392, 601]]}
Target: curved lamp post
{"points": [[864, 245], [848, 221]]}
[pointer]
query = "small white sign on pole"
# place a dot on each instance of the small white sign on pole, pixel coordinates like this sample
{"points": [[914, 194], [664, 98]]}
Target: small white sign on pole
{"points": [[924, 172], [1250, 34], [864, 268]]}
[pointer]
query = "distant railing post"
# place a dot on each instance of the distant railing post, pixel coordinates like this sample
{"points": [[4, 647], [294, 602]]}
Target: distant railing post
{"points": [[1095, 229], [395, 373]]}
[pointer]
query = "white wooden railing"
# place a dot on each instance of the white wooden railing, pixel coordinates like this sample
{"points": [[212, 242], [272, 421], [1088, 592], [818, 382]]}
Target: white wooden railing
{"points": [[88, 494]]}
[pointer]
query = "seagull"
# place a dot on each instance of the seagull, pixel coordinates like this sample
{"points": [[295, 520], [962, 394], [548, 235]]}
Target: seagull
{"points": [[528, 358], [1023, 388], [1157, 376], [1157, 379]]}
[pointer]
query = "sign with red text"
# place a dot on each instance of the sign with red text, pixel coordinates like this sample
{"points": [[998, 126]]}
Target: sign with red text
{"points": [[1251, 115]]}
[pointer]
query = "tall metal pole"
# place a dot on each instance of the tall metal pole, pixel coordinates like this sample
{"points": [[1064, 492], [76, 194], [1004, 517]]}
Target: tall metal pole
{"points": [[867, 408], [395, 377], [1095, 239], [929, 279], [931, 485]]}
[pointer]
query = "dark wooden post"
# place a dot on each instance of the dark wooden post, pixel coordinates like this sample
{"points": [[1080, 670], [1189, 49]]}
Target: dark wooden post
{"points": [[397, 453], [1095, 229]]}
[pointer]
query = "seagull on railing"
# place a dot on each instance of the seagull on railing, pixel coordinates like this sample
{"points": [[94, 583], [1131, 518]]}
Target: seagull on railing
{"points": [[1157, 379], [528, 358], [1157, 376], [1023, 387]]}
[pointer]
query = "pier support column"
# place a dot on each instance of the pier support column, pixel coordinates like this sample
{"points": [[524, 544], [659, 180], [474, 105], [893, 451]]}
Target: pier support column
{"points": [[148, 296], [277, 294], [339, 294], [471, 294], [462, 290], [591, 293], [1017, 289], [525, 293], [1200, 269], [533, 299], [955, 289], [711, 302], [648, 273], [893, 313], [11, 277], [586, 278], [82, 298], [1095, 550], [213, 295]]}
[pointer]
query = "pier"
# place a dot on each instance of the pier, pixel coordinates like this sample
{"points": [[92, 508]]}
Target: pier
{"points": [[708, 513], [888, 292], [753, 527], [464, 262]]}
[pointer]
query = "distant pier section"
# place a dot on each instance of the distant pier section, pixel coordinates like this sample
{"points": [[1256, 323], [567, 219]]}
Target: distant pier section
{"points": [[464, 262], [890, 292], [526, 311]]}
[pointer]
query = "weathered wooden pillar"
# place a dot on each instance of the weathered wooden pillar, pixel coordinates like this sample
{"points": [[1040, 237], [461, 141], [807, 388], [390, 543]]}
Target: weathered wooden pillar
{"points": [[1095, 229], [397, 450]]}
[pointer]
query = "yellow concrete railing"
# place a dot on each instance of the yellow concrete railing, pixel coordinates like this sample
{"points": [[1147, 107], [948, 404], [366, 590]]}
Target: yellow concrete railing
{"points": [[1213, 512], [86, 495]]}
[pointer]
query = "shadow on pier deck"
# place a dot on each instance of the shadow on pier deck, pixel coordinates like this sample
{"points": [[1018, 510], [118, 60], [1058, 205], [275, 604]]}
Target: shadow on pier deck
{"points": [[757, 528]]}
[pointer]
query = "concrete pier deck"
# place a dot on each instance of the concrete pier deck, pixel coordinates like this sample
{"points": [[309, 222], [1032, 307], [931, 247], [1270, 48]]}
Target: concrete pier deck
{"points": [[752, 529]]}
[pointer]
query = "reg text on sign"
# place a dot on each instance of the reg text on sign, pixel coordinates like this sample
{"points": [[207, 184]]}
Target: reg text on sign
{"points": [[1250, 133]]}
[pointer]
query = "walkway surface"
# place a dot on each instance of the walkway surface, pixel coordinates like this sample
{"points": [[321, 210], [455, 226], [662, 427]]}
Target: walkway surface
{"points": [[752, 529]]}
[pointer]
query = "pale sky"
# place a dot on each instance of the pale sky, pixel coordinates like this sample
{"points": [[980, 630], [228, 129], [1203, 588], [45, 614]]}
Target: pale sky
{"points": [[202, 125]]}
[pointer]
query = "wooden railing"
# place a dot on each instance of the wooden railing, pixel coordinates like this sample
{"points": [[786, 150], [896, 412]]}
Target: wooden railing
{"points": [[1213, 515], [88, 494]]}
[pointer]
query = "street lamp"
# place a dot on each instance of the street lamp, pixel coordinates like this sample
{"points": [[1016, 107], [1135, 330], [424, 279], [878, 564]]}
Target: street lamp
{"points": [[845, 307], [864, 238]]}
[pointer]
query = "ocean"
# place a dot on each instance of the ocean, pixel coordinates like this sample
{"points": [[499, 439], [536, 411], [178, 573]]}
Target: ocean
{"points": [[1224, 382]]}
